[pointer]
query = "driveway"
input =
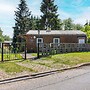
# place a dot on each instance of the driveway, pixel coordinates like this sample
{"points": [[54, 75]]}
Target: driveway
{"points": [[76, 79]]}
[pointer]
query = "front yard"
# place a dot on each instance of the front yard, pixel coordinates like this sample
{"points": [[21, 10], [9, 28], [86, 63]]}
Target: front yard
{"points": [[23, 67]]}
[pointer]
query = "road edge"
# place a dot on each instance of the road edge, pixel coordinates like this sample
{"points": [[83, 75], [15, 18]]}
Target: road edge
{"points": [[37, 75]]}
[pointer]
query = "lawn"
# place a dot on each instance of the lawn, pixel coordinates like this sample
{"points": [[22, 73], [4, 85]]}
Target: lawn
{"points": [[45, 63], [69, 58], [61, 60], [11, 56], [13, 68]]}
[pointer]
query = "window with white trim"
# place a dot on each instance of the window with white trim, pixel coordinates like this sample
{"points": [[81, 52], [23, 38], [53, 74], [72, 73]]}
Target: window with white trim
{"points": [[56, 40], [39, 40], [81, 41]]}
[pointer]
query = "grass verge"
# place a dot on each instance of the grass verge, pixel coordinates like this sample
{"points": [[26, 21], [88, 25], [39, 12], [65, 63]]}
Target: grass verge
{"points": [[54, 61], [69, 58], [13, 68]]}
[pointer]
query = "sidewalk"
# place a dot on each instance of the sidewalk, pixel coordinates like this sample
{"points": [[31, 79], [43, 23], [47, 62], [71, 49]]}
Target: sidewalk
{"points": [[28, 56]]}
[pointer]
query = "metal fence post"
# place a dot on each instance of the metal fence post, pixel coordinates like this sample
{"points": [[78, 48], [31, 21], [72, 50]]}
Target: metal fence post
{"points": [[2, 52], [38, 51], [25, 52]]}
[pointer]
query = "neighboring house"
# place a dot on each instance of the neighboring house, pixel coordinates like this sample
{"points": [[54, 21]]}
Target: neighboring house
{"points": [[53, 36], [5, 42], [8, 42]]}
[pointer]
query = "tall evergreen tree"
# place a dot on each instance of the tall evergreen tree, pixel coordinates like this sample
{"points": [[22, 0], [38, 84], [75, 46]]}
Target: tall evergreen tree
{"points": [[21, 21], [49, 19]]}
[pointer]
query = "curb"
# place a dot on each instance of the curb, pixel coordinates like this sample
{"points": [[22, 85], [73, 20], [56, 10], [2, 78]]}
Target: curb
{"points": [[37, 75]]}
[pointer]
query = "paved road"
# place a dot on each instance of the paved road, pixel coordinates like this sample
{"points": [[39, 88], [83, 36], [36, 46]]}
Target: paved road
{"points": [[76, 79]]}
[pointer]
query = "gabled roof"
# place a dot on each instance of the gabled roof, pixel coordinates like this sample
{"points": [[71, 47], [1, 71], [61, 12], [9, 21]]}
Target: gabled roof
{"points": [[55, 32]]}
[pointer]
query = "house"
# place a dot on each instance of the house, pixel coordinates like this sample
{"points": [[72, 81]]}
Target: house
{"points": [[6, 43], [53, 36]]}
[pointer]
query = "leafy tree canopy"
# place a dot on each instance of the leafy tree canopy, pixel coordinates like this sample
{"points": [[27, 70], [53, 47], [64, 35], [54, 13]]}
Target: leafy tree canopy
{"points": [[3, 37]]}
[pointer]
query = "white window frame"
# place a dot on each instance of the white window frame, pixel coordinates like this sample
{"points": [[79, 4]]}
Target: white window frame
{"points": [[41, 40], [81, 42], [55, 39]]}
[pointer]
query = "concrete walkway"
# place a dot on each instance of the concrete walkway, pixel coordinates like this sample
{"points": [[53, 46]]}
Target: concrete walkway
{"points": [[28, 56]]}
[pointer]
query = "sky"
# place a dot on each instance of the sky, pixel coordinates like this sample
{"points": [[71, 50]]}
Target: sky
{"points": [[78, 10]]}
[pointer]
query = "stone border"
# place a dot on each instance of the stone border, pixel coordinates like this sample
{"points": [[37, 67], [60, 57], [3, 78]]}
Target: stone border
{"points": [[37, 75]]}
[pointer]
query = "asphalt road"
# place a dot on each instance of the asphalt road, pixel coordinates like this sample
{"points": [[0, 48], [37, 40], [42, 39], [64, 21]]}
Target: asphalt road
{"points": [[76, 79]]}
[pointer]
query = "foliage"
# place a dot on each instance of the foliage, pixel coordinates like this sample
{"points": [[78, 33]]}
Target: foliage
{"points": [[34, 23], [68, 24], [22, 23], [49, 19], [3, 37], [86, 29], [78, 27]]}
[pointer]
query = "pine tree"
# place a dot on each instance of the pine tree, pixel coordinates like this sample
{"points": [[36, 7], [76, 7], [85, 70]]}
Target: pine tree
{"points": [[21, 21], [49, 19]]}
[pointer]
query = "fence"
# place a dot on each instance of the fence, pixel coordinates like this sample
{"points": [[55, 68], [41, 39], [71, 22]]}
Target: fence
{"points": [[15, 51], [12, 51], [52, 48]]}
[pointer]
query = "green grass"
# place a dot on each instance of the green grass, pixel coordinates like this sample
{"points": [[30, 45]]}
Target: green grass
{"points": [[11, 56], [70, 58], [34, 54], [54, 61], [12, 68], [66, 59]]}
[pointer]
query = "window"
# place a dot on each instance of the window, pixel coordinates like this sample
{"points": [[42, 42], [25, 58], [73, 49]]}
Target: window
{"points": [[81, 41], [56, 40], [39, 40]]}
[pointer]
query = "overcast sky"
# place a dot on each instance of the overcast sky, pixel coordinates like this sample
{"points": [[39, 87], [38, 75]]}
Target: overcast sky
{"points": [[78, 10]]}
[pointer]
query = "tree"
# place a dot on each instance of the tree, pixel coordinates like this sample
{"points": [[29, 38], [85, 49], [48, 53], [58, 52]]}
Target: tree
{"points": [[21, 21], [78, 26], [86, 29], [34, 23], [1, 32], [3, 37], [68, 24], [49, 19]]}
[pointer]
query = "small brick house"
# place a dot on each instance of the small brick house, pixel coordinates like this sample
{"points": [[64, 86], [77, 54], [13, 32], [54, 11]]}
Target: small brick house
{"points": [[53, 36]]}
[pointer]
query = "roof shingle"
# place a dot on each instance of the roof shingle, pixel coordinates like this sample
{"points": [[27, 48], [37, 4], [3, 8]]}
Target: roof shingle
{"points": [[56, 32]]}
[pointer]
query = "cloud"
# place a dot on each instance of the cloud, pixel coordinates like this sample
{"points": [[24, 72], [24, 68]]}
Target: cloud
{"points": [[6, 8], [7, 30], [63, 14], [77, 3], [7, 17], [85, 15]]}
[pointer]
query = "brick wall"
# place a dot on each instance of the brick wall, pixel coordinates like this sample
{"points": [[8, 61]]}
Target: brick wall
{"points": [[31, 40]]}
